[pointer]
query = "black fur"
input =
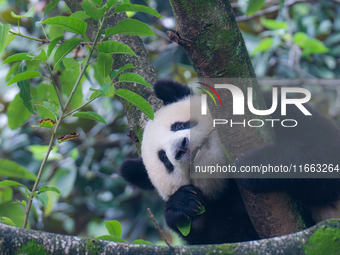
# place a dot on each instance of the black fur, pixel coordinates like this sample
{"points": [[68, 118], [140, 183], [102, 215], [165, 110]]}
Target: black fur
{"points": [[170, 91], [134, 172]]}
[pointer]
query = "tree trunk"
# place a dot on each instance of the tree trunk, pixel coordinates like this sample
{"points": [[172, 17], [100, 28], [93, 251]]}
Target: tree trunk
{"points": [[209, 33], [323, 238]]}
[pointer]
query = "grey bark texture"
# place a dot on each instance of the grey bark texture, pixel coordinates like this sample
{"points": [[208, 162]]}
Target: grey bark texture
{"points": [[323, 238]]}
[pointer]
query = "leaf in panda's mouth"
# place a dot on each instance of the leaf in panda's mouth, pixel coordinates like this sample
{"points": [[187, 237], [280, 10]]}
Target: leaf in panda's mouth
{"points": [[184, 227]]}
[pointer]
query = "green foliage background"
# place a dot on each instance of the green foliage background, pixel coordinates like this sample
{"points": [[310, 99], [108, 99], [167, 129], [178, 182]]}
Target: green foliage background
{"points": [[300, 41]]}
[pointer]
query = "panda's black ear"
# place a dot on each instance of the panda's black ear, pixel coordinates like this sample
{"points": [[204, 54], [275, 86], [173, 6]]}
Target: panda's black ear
{"points": [[170, 91], [133, 171]]}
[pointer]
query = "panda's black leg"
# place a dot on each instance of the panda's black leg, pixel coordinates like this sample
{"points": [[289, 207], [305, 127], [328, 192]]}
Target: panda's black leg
{"points": [[183, 205]]}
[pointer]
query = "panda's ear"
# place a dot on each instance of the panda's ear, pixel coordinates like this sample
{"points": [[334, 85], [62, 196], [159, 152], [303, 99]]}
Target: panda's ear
{"points": [[170, 91], [133, 171]]}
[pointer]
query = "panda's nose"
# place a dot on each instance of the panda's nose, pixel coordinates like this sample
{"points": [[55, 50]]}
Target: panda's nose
{"points": [[182, 148]]}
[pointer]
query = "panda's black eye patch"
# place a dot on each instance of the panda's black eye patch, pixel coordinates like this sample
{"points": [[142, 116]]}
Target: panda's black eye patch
{"points": [[182, 125], [165, 160]]}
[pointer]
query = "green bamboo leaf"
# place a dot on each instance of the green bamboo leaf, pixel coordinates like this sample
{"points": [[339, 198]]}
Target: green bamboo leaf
{"points": [[4, 29], [80, 15], [114, 228], [70, 24], [90, 115], [47, 188], [19, 57], [91, 10], [185, 227], [25, 91], [7, 221], [141, 241], [65, 48], [114, 47], [130, 27], [52, 44], [133, 77], [137, 101], [11, 169], [28, 14], [23, 76], [111, 238], [51, 5], [137, 8], [17, 113], [104, 65], [254, 6], [273, 24], [115, 73]]}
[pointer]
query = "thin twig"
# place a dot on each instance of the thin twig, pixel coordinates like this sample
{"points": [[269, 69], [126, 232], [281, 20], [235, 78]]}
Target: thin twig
{"points": [[160, 231]]}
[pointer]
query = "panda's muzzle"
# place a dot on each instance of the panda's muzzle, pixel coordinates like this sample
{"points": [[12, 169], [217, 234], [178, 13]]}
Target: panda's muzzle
{"points": [[182, 148]]}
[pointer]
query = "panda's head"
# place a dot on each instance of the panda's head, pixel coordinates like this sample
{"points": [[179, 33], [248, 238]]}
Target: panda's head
{"points": [[167, 148]]}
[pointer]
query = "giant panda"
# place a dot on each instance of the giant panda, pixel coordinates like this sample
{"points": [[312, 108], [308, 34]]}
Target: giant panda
{"points": [[164, 166]]}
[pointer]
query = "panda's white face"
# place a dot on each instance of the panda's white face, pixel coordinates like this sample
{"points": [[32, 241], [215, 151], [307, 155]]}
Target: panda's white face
{"points": [[166, 148]]}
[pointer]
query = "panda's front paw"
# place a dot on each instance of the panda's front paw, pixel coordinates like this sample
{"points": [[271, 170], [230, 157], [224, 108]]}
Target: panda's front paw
{"points": [[183, 205]]}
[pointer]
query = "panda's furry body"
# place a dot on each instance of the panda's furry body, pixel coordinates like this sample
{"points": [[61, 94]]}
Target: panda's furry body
{"points": [[165, 166]]}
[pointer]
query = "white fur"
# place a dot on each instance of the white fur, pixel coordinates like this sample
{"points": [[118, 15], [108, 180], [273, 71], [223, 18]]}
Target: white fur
{"points": [[158, 136]]}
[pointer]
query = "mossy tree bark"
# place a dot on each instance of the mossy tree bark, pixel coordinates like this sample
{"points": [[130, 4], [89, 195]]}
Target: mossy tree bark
{"points": [[321, 239], [209, 33]]}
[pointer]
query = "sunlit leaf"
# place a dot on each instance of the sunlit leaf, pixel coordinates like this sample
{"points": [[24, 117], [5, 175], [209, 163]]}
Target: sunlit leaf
{"points": [[7, 221], [10, 37], [28, 14], [114, 47], [133, 77], [51, 5], [264, 45], [273, 24], [136, 100], [114, 228], [70, 24], [130, 27], [311, 45], [65, 48], [23, 76], [14, 170], [4, 29], [254, 6], [185, 227], [90, 115], [137, 8], [39, 152]]}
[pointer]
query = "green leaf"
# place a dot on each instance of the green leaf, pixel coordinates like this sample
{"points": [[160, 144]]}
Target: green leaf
{"points": [[7, 183], [47, 188], [52, 44], [254, 6], [46, 123], [114, 228], [28, 14], [80, 15], [11, 169], [185, 227], [4, 29], [17, 113], [39, 152], [7, 221], [70, 24], [133, 77], [19, 57], [137, 101], [264, 45], [111, 3], [25, 91], [309, 45], [130, 27], [23, 76], [42, 56], [65, 48], [98, 2], [90, 115], [115, 73], [114, 47], [104, 65], [91, 10], [70, 63], [10, 37], [141, 241], [51, 5], [137, 8], [43, 198], [273, 24], [49, 105], [111, 238], [201, 211]]}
